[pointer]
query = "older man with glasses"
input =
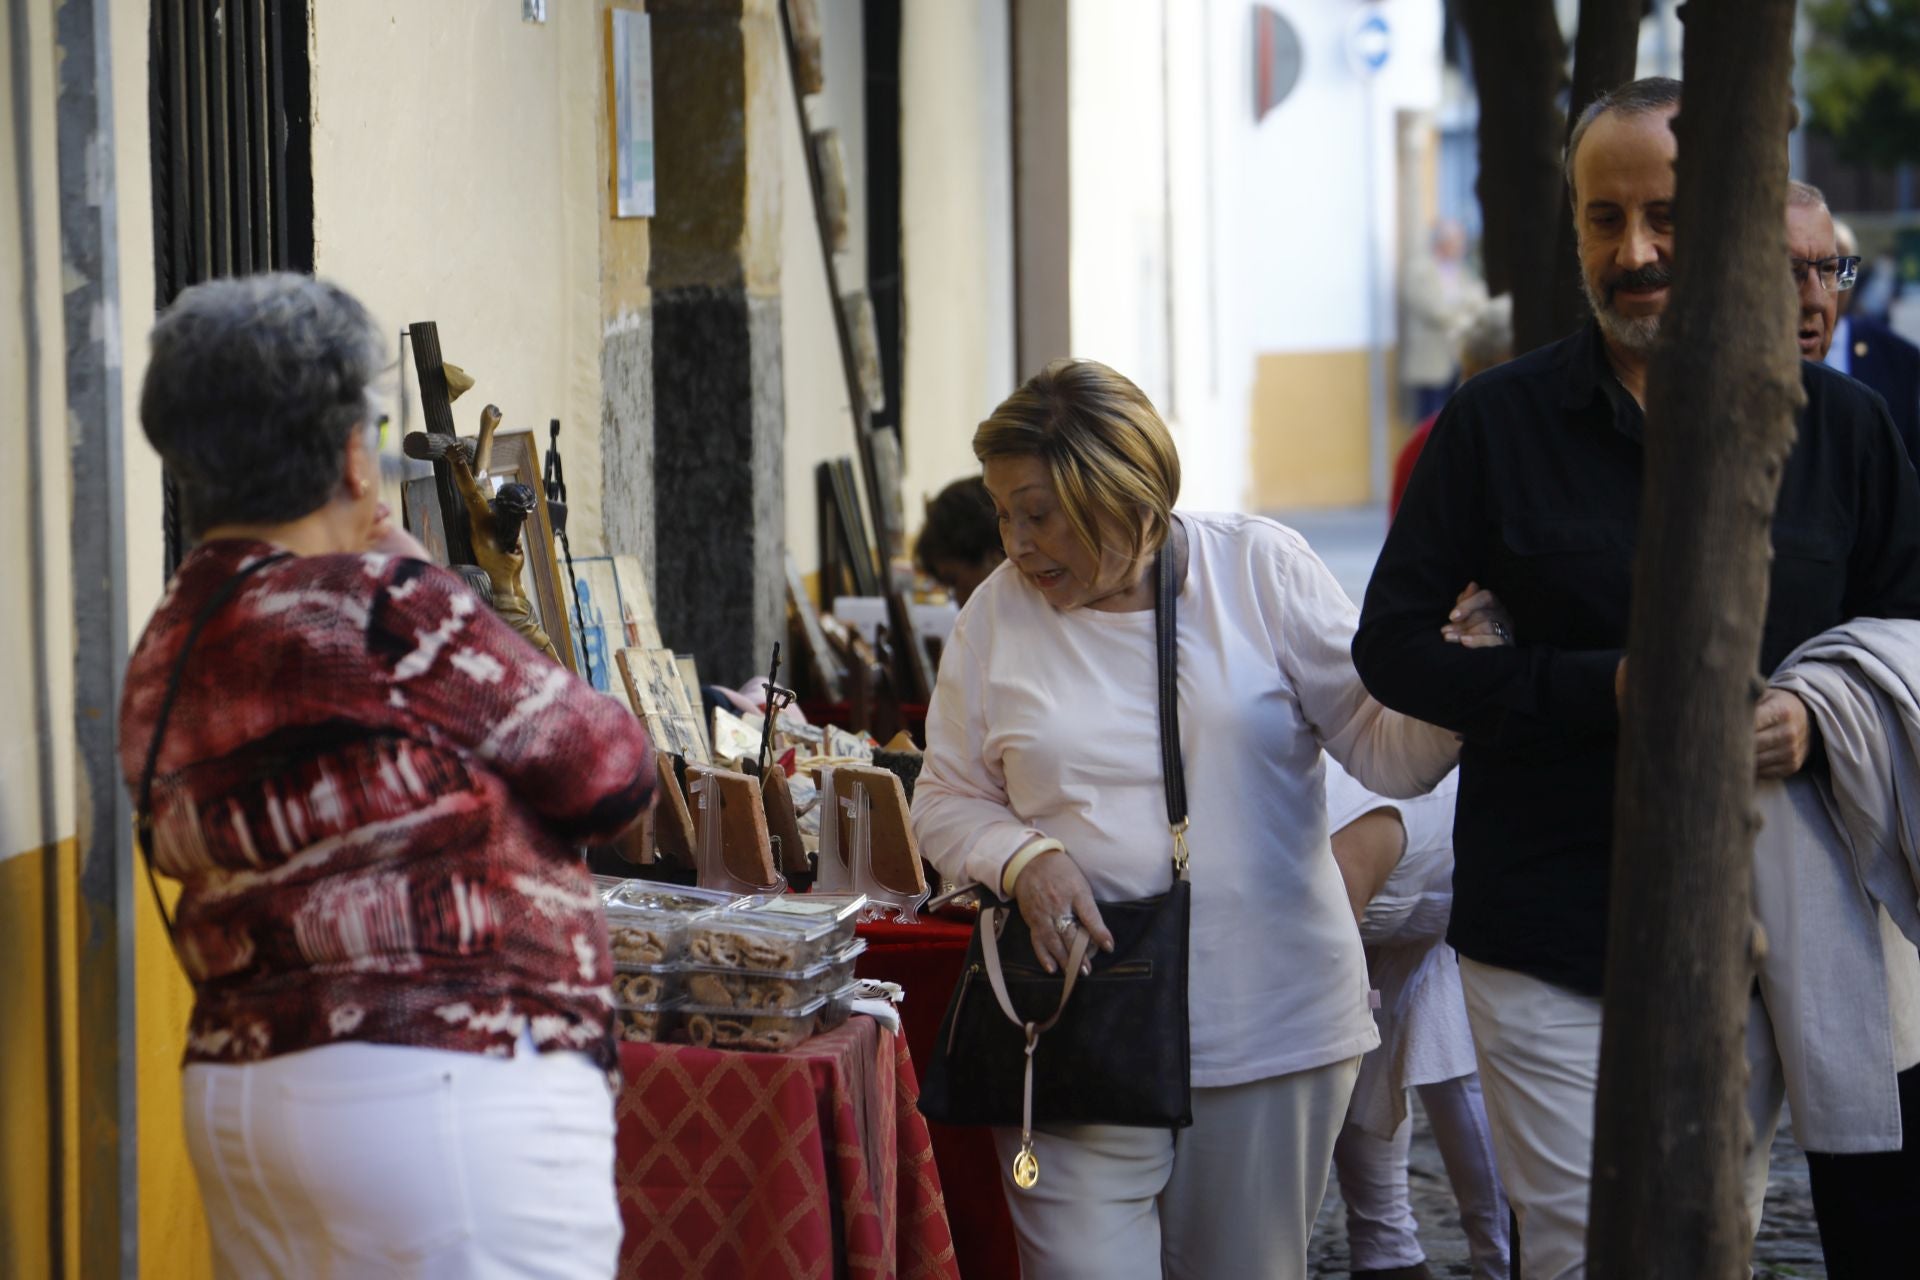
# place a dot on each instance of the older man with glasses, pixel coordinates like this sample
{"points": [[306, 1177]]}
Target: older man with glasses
{"points": [[1530, 488], [1862, 347]]}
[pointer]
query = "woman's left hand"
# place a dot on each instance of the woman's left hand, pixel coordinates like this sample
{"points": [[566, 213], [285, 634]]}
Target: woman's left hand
{"points": [[1478, 620]]}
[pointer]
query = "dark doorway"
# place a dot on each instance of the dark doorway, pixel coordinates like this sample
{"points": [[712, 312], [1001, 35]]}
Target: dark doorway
{"points": [[230, 114]]}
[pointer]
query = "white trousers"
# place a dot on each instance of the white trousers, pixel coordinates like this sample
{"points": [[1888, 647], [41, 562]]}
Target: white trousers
{"points": [[356, 1161], [1381, 1230], [1234, 1195], [1538, 1047]]}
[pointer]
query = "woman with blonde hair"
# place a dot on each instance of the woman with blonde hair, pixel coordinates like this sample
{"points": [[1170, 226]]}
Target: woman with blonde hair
{"points": [[1043, 783]]}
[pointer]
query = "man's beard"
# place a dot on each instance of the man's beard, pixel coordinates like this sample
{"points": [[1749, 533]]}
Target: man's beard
{"points": [[1631, 333]]}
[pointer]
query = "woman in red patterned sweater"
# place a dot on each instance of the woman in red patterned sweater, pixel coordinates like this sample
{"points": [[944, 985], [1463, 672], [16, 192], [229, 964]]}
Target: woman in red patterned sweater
{"points": [[370, 791]]}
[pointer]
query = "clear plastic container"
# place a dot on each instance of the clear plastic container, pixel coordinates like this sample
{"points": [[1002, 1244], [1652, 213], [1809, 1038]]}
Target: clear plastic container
{"points": [[644, 1024], [657, 896], [605, 887], [765, 1030], [716, 987], [762, 939], [841, 910], [838, 1007], [643, 984], [647, 922]]}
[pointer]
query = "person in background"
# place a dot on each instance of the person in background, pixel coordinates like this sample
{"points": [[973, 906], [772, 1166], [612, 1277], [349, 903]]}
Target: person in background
{"points": [[1529, 492], [1487, 341], [1865, 348], [1397, 859], [959, 545], [371, 791], [1043, 783], [1440, 294]]}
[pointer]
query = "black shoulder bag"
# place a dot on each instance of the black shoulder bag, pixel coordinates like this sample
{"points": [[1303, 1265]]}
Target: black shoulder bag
{"points": [[1116, 1049], [143, 802]]}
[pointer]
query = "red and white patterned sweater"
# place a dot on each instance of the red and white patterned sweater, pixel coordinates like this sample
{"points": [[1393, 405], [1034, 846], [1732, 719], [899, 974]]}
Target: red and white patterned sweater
{"points": [[370, 790]]}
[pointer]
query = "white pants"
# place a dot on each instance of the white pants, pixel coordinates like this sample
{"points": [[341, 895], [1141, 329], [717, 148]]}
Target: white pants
{"points": [[1235, 1195], [1381, 1230], [360, 1160], [1539, 1051]]}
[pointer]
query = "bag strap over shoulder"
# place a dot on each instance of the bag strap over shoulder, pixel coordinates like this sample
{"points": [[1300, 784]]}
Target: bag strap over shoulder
{"points": [[1173, 772], [142, 805]]}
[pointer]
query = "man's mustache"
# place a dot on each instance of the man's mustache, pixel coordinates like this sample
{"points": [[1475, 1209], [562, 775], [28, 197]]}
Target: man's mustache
{"points": [[1650, 277]]}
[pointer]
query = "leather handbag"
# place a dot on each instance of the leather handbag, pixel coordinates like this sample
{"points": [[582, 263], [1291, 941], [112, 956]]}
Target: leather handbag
{"points": [[1020, 1046]]}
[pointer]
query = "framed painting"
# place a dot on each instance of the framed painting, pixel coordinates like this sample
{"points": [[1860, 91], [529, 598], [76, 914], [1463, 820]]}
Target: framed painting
{"points": [[637, 622], [597, 633], [630, 50], [658, 693]]}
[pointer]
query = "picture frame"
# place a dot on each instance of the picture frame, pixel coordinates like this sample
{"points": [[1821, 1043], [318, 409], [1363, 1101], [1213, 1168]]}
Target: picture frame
{"points": [[658, 694], [598, 633], [516, 460], [696, 697], [630, 70], [817, 659], [637, 620]]}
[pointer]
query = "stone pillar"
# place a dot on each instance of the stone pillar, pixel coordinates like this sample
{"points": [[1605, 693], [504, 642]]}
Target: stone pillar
{"points": [[719, 419]]}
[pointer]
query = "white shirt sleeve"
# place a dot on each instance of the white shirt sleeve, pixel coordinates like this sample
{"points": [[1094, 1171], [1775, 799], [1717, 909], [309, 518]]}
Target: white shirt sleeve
{"points": [[1388, 752], [961, 814]]}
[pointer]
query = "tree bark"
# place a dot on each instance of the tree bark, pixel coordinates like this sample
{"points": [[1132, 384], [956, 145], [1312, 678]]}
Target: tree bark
{"points": [[1518, 72], [1670, 1126], [1606, 49]]}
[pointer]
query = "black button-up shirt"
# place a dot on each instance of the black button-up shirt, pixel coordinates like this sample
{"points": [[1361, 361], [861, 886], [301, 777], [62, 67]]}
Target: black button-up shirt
{"points": [[1530, 486]]}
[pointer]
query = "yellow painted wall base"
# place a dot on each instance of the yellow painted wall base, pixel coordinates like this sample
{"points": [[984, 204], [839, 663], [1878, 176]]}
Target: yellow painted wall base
{"points": [[1309, 436], [37, 1002]]}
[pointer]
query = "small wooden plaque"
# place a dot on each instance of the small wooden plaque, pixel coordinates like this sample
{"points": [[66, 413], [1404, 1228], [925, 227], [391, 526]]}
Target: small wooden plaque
{"points": [[743, 825], [783, 822], [896, 854]]}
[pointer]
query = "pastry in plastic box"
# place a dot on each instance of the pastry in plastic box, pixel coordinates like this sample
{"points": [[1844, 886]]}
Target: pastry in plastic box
{"points": [[643, 1024], [647, 922], [767, 1030], [724, 988], [841, 910], [757, 937], [646, 984]]}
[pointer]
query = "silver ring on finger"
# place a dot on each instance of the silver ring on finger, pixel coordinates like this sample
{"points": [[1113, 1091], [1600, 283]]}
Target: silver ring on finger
{"points": [[1065, 922], [1500, 629]]}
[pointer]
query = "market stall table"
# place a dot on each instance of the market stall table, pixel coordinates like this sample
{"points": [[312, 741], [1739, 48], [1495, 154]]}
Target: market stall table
{"points": [[810, 1163], [926, 958]]}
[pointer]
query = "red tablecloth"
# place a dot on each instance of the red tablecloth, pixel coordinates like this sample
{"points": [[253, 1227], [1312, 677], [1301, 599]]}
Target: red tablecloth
{"points": [[926, 959], [813, 1163]]}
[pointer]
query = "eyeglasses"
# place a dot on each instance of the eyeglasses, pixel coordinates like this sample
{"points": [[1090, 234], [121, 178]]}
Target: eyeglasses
{"points": [[1835, 273]]}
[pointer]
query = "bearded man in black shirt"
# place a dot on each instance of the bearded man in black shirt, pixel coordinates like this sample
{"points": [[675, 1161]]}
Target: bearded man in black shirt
{"points": [[1529, 492]]}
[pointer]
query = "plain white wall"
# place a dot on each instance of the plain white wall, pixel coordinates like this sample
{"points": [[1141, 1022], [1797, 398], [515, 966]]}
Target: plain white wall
{"points": [[957, 235]]}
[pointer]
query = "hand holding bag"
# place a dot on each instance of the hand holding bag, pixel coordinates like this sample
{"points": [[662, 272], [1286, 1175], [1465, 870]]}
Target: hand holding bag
{"points": [[1115, 1047]]}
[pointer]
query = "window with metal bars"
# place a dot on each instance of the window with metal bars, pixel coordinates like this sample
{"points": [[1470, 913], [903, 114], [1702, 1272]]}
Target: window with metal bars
{"points": [[230, 112]]}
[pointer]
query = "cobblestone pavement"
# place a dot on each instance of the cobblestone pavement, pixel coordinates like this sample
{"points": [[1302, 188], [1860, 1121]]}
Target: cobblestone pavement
{"points": [[1788, 1244]]}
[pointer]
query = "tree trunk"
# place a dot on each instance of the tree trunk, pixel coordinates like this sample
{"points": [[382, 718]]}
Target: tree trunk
{"points": [[1670, 1126], [1605, 51], [1518, 72]]}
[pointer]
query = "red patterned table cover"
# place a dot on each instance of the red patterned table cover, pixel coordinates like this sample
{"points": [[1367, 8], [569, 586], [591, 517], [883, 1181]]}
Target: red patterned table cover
{"points": [[926, 959], [813, 1163]]}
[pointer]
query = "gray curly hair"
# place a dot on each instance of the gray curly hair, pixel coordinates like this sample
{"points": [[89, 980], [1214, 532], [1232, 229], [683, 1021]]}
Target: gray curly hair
{"points": [[254, 387]]}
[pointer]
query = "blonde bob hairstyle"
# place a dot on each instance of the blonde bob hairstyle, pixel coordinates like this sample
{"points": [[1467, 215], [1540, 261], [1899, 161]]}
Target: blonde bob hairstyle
{"points": [[1112, 459]]}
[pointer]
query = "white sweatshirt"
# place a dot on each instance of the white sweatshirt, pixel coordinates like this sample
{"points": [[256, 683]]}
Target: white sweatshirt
{"points": [[1045, 722]]}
